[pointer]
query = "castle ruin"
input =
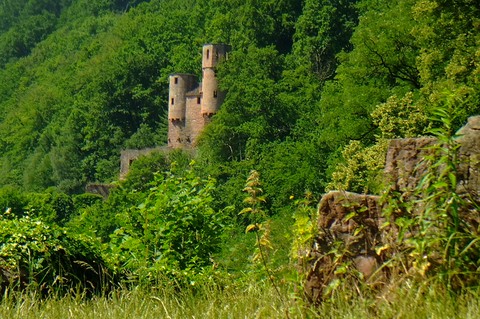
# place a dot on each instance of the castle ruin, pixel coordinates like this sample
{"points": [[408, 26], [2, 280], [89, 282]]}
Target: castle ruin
{"points": [[191, 104]]}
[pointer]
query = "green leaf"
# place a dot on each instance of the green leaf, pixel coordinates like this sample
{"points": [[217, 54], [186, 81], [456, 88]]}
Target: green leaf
{"points": [[246, 210], [251, 228], [350, 216]]}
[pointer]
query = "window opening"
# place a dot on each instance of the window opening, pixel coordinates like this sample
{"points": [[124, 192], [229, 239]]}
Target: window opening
{"points": [[198, 100], [176, 80], [208, 54], [173, 101], [214, 93]]}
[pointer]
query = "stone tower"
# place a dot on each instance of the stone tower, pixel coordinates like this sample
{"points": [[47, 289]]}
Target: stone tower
{"points": [[192, 104], [181, 91], [212, 98]]}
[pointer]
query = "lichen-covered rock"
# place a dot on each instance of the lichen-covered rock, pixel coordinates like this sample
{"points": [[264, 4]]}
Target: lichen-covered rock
{"points": [[350, 229], [469, 158], [403, 164]]}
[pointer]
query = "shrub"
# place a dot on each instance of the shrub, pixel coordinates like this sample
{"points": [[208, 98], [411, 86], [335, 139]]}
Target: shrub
{"points": [[142, 171], [12, 199], [47, 257], [441, 241], [173, 231]]}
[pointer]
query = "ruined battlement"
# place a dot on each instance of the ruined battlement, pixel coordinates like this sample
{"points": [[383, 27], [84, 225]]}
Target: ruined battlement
{"points": [[127, 157]]}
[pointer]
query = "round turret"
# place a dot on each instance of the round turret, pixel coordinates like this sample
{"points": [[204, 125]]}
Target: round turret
{"points": [[212, 98], [180, 85], [213, 54]]}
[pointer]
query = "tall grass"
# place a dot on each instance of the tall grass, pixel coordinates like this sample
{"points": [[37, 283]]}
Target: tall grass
{"points": [[257, 300], [252, 301]]}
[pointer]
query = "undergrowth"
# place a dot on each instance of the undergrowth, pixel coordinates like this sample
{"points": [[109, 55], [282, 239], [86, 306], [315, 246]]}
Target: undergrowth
{"points": [[438, 239]]}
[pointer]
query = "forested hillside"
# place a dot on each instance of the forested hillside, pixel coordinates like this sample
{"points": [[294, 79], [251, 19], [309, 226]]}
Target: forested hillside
{"points": [[314, 88], [80, 81]]}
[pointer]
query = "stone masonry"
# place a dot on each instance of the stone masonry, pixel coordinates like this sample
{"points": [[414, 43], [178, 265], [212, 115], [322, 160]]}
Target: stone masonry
{"points": [[127, 157], [403, 170], [192, 103]]}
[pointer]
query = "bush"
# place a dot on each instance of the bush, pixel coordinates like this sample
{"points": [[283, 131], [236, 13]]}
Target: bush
{"points": [[173, 231], [142, 171], [47, 257], [13, 200], [86, 200]]}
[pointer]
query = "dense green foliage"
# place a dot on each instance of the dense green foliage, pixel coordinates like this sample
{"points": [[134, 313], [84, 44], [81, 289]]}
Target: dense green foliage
{"points": [[45, 256], [82, 81], [314, 89], [173, 229]]}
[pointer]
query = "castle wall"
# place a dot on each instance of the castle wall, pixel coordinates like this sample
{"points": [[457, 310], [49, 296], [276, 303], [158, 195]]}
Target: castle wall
{"points": [[184, 133], [180, 85], [212, 98], [213, 54], [175, 133], [194, 120], [99, 189], [127, 157]]}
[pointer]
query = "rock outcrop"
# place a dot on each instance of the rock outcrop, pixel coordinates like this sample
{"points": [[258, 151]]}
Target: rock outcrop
{"points": [[403, 164], [351, 226], [469, 158]]}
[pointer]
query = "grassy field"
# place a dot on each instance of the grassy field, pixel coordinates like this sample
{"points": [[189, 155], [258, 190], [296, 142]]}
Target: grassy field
{"points": [[253, 301]]}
